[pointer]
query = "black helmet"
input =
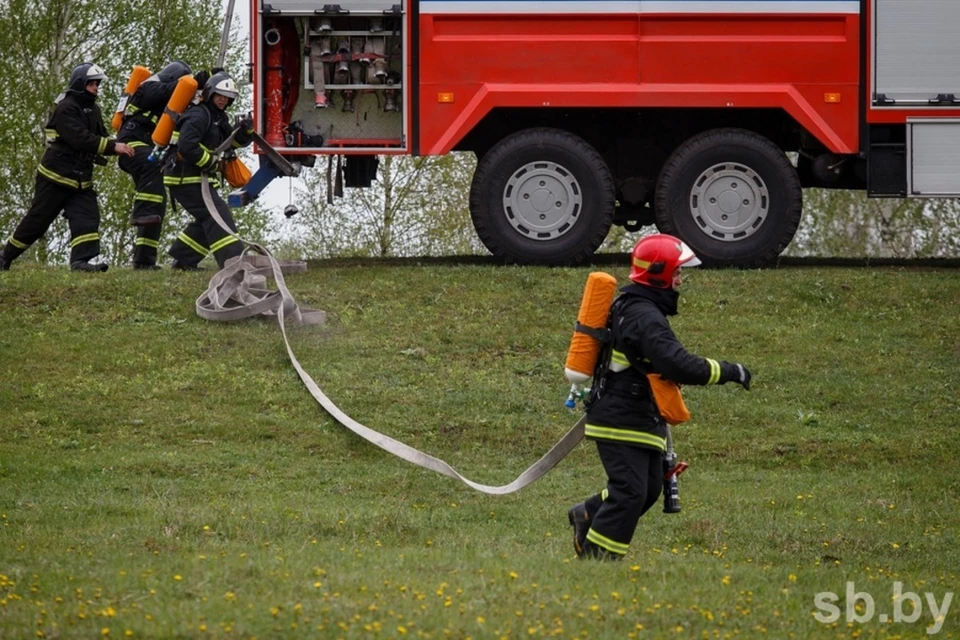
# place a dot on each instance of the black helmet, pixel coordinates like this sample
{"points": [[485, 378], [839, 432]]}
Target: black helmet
{"points": [[220, 83], [82, 74], [174, 71]]}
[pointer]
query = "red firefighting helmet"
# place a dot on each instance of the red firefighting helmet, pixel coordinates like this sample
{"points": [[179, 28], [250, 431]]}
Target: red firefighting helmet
{"points": [[656, 258]]}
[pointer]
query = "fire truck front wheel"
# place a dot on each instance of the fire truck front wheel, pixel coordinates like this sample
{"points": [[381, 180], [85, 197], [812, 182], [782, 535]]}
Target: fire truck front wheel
{"points": [[542, 196], [732, 195]]}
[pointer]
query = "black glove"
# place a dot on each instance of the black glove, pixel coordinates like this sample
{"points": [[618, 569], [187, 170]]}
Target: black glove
{"points": [[245, 123], [212, 167], [205, 74], [736, 372], [201, 77]]}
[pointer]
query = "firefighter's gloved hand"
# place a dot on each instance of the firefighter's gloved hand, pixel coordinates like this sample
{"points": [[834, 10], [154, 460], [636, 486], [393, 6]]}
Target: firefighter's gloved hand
{"points": [[736, 372], [205, 74], [211, 168], [201, 77], [245, 123]]}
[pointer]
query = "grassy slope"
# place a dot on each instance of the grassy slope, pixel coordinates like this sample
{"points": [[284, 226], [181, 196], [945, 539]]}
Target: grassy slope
{"points": [[166, 476]]}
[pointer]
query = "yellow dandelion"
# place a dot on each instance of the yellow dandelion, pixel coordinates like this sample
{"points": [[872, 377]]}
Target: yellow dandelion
{"points": [[726, 580], [481, 619], [513, 575], [895, 545], [105, 631], [792, 578], [230, 595], [178, 577]]}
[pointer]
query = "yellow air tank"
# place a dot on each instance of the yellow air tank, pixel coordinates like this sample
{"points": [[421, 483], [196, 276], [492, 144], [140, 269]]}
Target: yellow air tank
{"points": [[137, 76], [585, 348]]}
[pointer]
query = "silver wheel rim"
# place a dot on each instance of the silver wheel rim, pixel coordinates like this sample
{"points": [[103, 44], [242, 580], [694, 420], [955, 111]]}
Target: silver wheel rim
{"points": [[542, 200], [729, 202]]}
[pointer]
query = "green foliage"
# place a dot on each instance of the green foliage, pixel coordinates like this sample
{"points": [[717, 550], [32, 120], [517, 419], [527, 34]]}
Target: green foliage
{"points": [[171, 477], [847, 223], [417, 207]]}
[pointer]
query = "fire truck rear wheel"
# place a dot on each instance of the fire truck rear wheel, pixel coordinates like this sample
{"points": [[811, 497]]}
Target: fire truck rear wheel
{"points": [[542, 196], [732, 195]]}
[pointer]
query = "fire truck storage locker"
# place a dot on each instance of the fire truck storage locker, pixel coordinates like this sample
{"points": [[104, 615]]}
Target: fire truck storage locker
{"points": [[358, 47], [933, 156], [917, 52]]}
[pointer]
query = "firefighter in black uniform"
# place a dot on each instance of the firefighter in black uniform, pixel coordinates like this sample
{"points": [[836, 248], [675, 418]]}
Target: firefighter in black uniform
{"points": [[622, 417], [76, 138], [199, 132], [139, 120]]}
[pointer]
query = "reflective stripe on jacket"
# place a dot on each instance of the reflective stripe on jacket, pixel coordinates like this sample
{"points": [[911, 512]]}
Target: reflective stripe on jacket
{"points": [[75, 134]]}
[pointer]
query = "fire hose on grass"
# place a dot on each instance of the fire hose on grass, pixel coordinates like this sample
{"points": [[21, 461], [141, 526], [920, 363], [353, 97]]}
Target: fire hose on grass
{"points": [[239, 291]]}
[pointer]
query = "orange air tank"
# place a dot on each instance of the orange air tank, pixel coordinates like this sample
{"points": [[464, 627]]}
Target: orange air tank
{"points": [[182, 96], [585, 348], [137, 76]]}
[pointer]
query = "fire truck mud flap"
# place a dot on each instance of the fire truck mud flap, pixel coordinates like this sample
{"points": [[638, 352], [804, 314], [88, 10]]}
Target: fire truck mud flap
{"points": [[732, 195], [542, 196]]}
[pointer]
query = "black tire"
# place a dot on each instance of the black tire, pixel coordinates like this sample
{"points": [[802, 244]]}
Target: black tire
{"points": [[542, 196], [732, 195]]}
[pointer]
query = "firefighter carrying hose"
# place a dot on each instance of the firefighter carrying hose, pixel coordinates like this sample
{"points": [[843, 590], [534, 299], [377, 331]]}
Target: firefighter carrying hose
{"points": [[622, 417], [76, 139], [139, 120], [202, 128]]}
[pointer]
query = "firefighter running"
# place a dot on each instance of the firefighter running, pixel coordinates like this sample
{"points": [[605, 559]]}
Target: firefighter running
{"points": [[622, 417], [76, 139], [201, 129], [149, 200]]}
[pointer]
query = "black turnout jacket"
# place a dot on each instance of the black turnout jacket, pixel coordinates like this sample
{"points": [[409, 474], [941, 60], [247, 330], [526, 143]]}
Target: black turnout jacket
{"points": [[75, 136], [621, 407], [199, 132]]}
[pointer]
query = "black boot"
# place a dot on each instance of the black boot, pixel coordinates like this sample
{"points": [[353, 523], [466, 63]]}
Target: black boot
{"points": [[594, 552], [83, 265], [580, 520], [4, 262], [185, 266]]}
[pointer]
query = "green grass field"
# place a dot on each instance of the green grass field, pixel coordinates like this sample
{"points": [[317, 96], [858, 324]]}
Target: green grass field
{"points": [[162, 476]]}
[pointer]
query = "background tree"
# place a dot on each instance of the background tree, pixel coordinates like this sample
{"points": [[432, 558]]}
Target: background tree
{"points": [[417, 206], [847, 223]]}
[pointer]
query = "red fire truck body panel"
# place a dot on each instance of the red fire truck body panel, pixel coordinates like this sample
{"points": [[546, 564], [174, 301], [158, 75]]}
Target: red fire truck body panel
{"points": [[650, 60]]}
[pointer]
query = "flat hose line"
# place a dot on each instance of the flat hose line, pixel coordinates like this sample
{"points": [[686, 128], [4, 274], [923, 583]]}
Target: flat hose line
{"points": [[239, 291]]}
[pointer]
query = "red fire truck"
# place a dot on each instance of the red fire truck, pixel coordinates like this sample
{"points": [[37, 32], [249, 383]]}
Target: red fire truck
{"points": [[704, 117]]}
